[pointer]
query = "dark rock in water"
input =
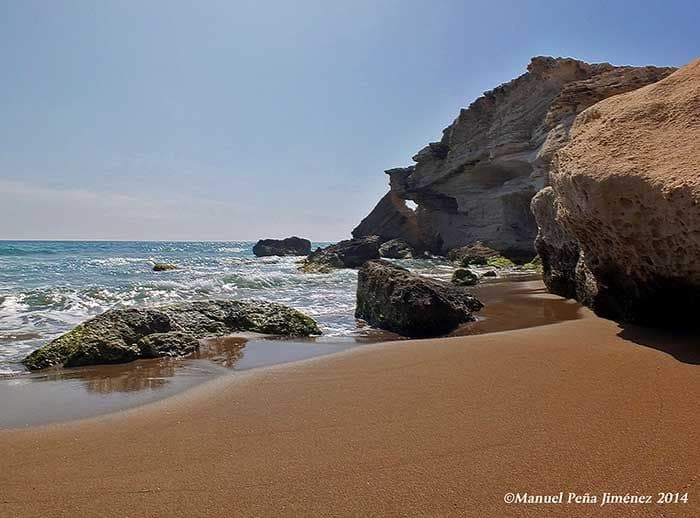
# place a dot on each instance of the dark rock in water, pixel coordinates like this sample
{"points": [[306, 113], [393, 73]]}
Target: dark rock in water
{"points": [[396, 249], [350, 253], [163, 267], [289, 246], [392, 298], [477, 254], [464, 277], [123, 335]]}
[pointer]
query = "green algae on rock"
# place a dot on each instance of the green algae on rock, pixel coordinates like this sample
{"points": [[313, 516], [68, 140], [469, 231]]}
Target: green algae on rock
{"points": [[124, 335], [464, 277], [499, 262]]}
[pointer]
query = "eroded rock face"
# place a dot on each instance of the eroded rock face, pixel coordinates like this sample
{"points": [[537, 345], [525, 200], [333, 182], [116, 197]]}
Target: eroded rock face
{"points": [[351, 253], [391, 219], [627, 189], [392, 298], [124, 335], [558, 250], [477, 182], [289, 246]]}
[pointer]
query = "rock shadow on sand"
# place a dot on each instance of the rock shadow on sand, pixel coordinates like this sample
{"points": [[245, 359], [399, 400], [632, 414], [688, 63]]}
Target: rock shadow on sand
{"points": [[683, 344]]}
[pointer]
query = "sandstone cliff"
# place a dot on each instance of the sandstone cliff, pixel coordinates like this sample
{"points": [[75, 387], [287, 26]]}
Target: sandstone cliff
{"points": [[620, 224], [477, 182]]}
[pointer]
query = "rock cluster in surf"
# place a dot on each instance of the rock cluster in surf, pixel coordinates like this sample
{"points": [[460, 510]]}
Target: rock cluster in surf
{"points": [[124, 335]]}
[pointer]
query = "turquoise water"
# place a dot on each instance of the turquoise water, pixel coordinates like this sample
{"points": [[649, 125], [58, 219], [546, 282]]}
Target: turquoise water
{"points": [[47, 287]]}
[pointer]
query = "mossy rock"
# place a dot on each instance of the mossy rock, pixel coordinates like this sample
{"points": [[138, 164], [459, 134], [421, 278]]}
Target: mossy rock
{"points": [[475, 254], [306, 266], [500, 262], [124, 335], [464, 277], [535, 267]]}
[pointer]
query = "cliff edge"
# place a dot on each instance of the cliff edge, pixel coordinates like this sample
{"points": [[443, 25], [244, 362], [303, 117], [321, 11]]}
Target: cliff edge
{"points": [[477, 182], [620, 224]]}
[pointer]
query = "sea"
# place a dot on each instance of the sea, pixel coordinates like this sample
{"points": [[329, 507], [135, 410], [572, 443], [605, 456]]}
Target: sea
{"points": [[48, 287]]}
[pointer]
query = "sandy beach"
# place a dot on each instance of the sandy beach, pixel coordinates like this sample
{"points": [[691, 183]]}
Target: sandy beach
{"points": [[414, 428]]}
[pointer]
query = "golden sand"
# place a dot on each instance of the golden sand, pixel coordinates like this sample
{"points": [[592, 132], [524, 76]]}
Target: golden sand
{"points": [[414, 428]]}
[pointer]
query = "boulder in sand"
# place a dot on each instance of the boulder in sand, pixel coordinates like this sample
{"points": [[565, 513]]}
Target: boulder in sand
{"points": [[392, 298]]}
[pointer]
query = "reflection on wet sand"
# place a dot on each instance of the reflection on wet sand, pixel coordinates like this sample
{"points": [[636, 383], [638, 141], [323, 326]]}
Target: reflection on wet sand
{"points": [[147, 374], [225, 351], [103, 379], [517, 305]]}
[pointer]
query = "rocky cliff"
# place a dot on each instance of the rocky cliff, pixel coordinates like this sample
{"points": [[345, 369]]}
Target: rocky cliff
{"points": [[477, 182], [620, 224]]}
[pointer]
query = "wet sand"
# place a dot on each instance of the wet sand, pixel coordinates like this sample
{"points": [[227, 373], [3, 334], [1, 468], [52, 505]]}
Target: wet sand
{"points": [[64, 394], [412, 428]]}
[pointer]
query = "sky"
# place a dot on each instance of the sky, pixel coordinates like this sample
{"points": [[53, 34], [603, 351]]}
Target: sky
{"points": [[239, 120]]}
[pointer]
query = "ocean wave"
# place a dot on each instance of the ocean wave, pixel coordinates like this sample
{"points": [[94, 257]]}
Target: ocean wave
{"points": [[120, 261], [14, 250]]}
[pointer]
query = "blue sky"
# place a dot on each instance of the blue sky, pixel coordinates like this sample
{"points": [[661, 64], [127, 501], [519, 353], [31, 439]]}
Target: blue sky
{"points": [[248, 119]]}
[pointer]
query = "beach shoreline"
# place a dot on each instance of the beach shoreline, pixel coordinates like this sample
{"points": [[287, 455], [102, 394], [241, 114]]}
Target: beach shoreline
{"points": [[56, 395], [432, 427]]}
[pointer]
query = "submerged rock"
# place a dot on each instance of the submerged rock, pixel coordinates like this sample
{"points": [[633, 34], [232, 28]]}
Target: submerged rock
{"points": [[392, 298], [464, 277], [626, 190], [124, 335], [163, 267], [396, 249], [289, 246], [351, 253]]}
